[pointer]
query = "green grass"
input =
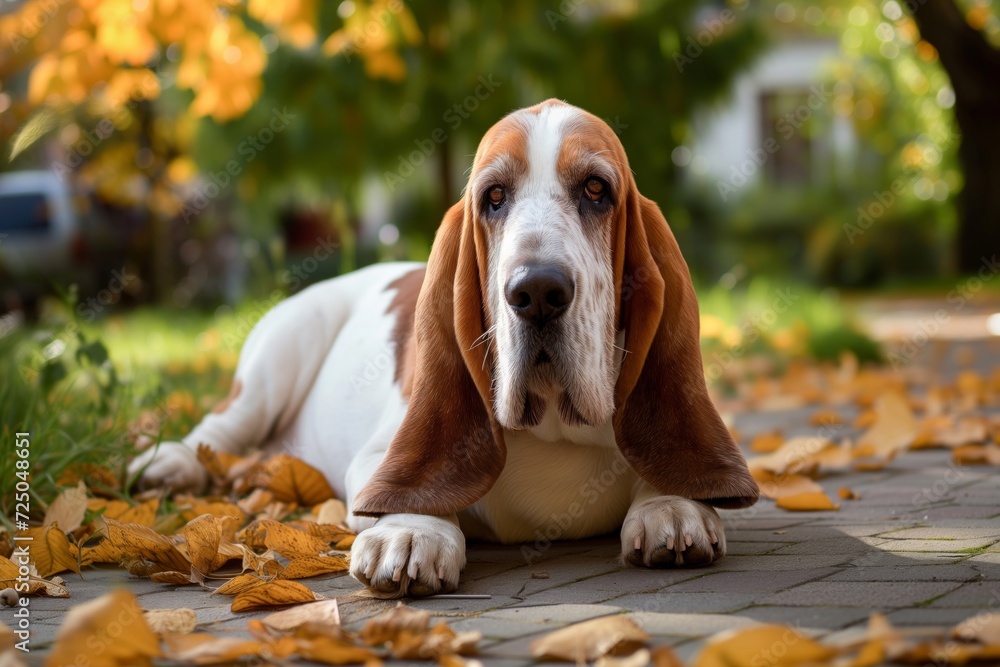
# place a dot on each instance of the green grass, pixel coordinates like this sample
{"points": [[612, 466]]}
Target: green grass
{"points": [[86, 390], [792, 320]]}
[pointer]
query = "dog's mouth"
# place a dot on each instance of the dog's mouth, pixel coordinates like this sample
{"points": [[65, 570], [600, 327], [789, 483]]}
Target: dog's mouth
{"points": [[546, 380]]}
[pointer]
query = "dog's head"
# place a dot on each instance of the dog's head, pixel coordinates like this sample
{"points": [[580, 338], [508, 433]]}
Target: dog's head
{"points": [[554, 285]]}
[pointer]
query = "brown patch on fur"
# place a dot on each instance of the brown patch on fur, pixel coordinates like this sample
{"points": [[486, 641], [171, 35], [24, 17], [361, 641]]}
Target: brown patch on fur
{"points": [[234, 393], [448, 452], [665, 424], [404, 305]]}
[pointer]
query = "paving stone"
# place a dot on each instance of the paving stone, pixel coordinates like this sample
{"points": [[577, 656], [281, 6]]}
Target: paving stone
{"points": [[834, 545], [932, 616], [783, 562], [940, 532], [981, 594], [563, 613], [695, 603], [958, 511], [690, 625], [502, 628], [946, 572], [906, 558], [873, 595], [745, 582], [462, 606], [823, 618], [735, 520], [988, 564], [736, 548], [936, 545], [518, 582], [622, 582]]}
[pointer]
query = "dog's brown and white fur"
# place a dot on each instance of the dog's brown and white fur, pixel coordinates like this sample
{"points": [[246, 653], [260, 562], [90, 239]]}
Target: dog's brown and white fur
{"points": [[451, 414]]}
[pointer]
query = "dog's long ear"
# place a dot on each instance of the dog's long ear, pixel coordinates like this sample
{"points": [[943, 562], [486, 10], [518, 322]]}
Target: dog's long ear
{"points": [[666, 425], [449, 451]]}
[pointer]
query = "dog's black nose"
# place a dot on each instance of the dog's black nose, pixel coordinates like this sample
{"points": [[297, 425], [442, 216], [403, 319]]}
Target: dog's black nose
{"points": [[539, 293]]}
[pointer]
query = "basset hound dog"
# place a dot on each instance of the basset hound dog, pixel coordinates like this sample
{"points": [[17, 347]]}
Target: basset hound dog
{"points": [[539, 379]]}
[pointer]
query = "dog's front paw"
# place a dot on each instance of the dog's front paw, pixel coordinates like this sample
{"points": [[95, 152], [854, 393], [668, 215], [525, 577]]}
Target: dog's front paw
{"points": [[670, 530], [409, 555], [172, 466]]}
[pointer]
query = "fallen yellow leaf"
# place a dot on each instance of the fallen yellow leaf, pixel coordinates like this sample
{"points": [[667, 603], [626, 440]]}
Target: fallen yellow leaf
{"points": [[388, 625], [590, 640], [291, 480], [439, 641], [171, 621], [311, 566], [319, 644], [204, 538], [865, 419], [826, 418], [766, 644], [192, 507], [243, 582], [640, 658], [798, 455], [807, 502], [273, 594], [766, 443], [332, 511], [324, 613], [895, 428], [984, 628], [284, 539], [664, 656], [93, 475], [988, 454], [50, 550], [133, 643], [125, 541], [205, 649], [783, 484], [68, 508]]}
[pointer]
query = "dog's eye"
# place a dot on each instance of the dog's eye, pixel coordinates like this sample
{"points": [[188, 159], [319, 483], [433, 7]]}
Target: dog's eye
{"points": [[594, 190], [496, 196]]}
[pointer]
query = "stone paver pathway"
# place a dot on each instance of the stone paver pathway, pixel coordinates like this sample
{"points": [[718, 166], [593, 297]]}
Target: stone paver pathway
{"points": [[922, 545]]}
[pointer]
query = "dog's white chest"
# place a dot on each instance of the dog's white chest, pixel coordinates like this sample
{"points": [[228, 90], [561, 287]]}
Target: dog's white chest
{"points": [[552, 491]]}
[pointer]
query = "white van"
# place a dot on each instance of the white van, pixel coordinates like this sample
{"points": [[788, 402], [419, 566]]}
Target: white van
{"points": [[41, 237]]}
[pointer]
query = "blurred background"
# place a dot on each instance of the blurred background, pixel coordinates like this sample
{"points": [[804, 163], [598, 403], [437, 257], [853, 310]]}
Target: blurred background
{"points": [[171, 169]]}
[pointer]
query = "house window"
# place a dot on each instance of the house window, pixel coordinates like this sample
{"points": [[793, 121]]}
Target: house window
{"points": [[786, 117]]}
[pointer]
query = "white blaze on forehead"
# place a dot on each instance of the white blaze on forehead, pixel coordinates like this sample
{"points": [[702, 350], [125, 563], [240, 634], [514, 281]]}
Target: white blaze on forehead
{"points": [[545, 135]]}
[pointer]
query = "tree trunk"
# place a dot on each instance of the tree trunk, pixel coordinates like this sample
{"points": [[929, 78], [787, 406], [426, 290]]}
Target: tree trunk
{"points": [[973, 66]]}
